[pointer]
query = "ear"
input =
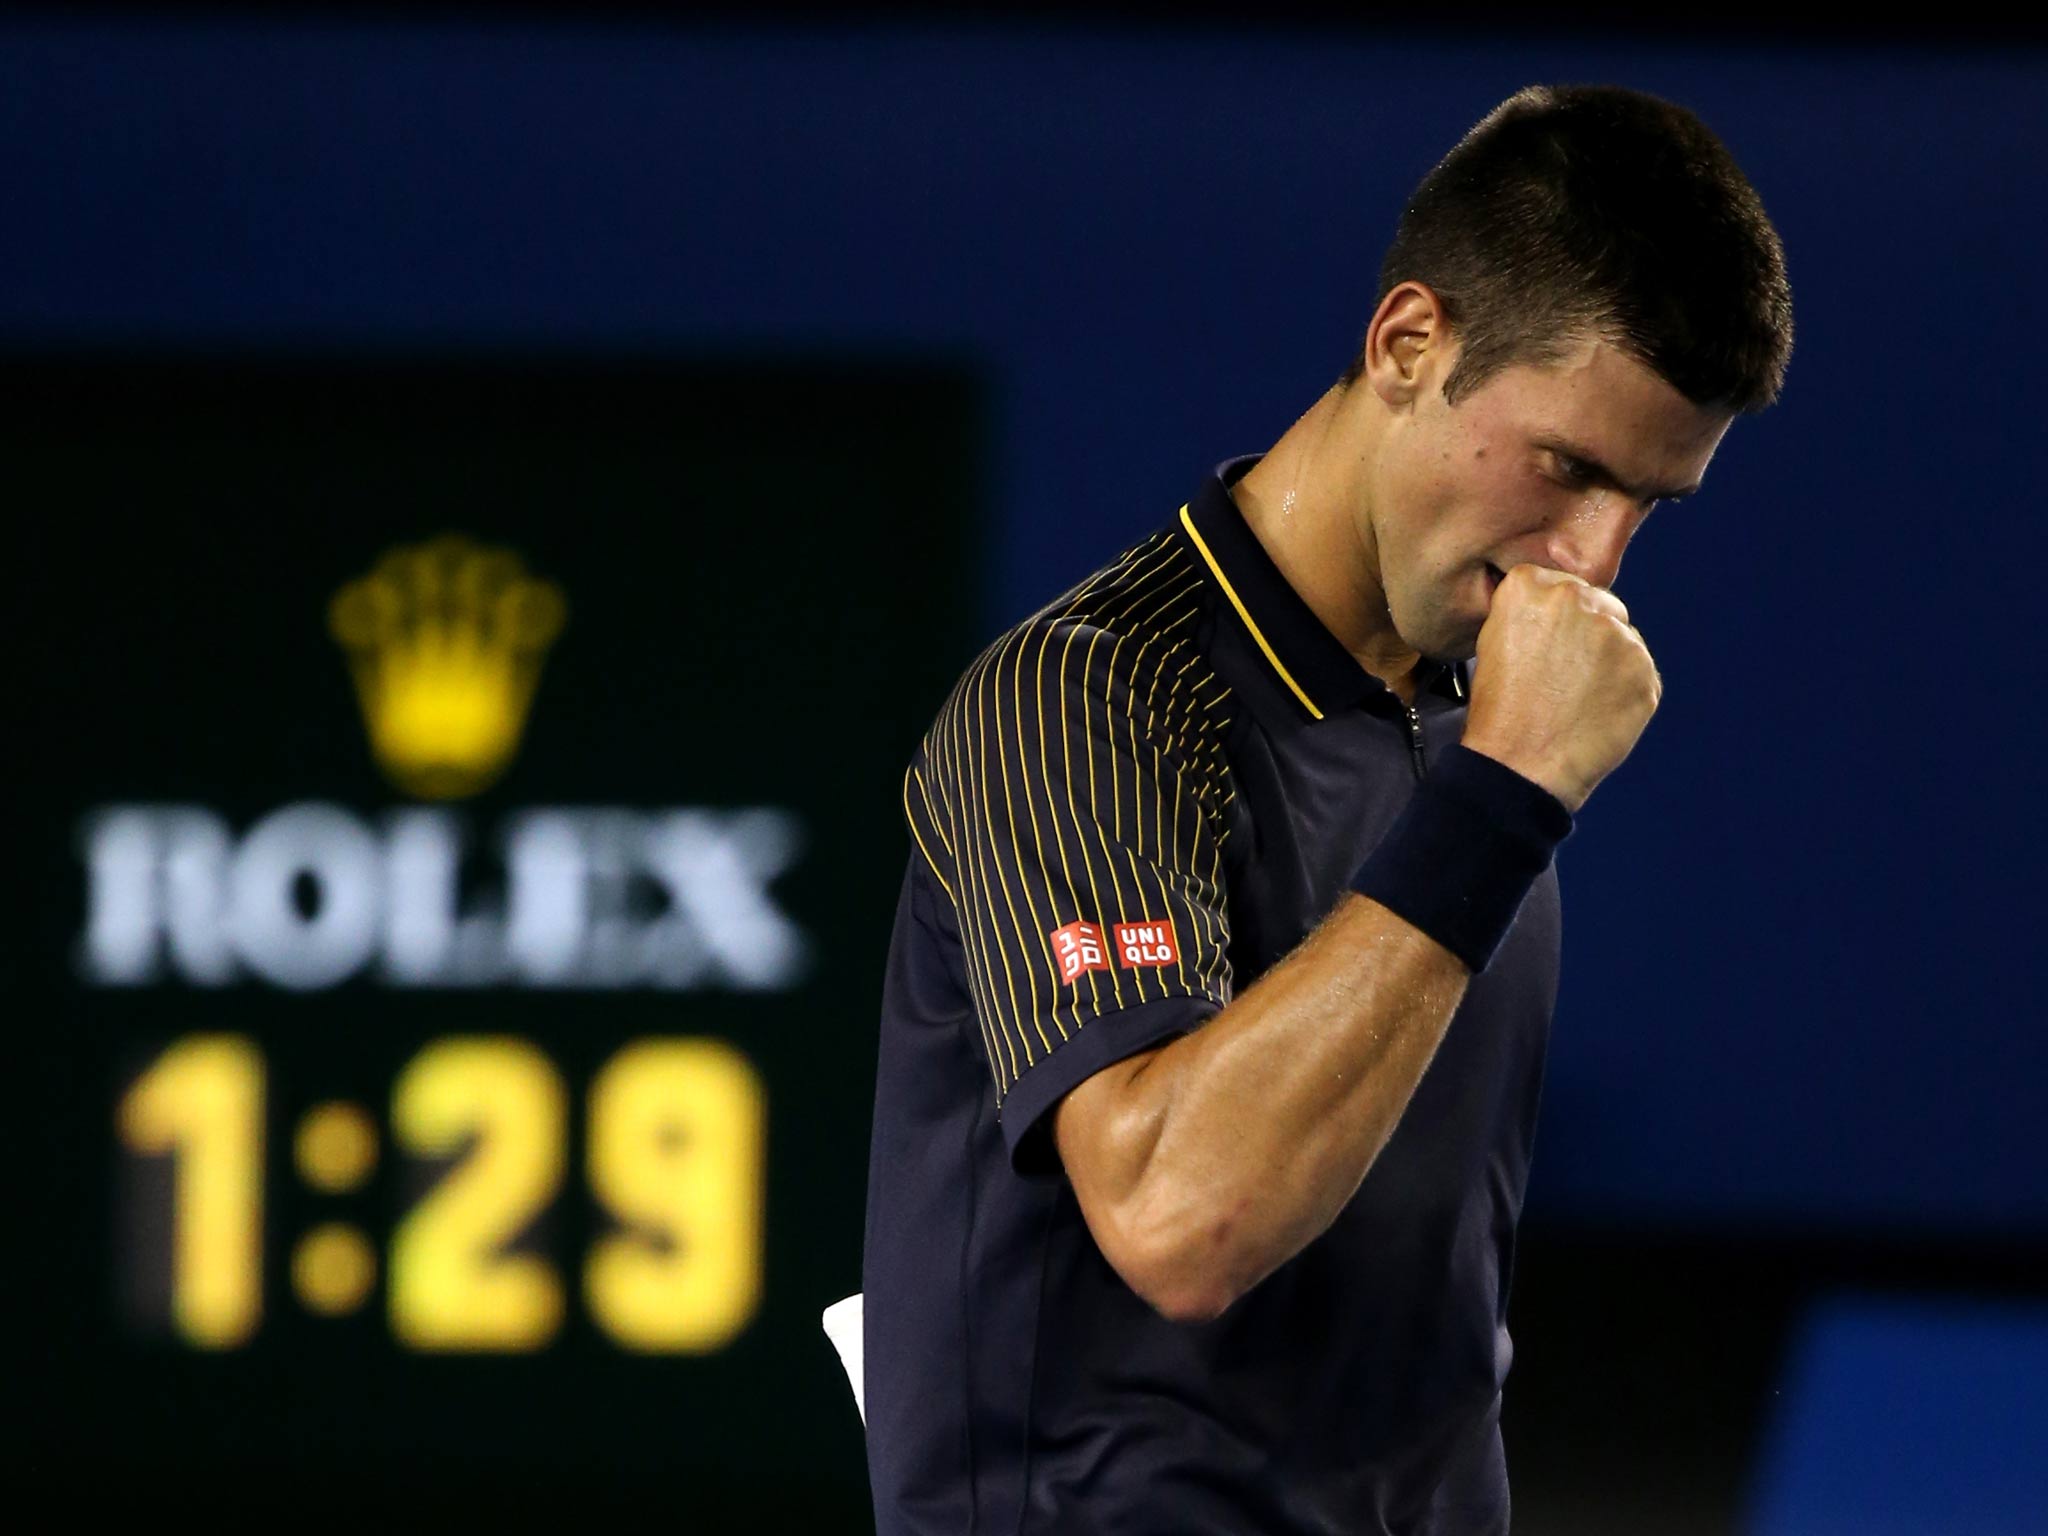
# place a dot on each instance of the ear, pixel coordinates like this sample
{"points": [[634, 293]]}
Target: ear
{"points": [[1408, 346]]}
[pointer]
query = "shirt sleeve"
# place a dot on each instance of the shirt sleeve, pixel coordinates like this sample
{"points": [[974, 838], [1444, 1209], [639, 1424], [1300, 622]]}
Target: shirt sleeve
{"points": [[1069, 800]]}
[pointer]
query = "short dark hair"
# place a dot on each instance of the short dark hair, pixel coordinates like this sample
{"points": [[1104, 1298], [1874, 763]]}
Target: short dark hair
{"points": [[1573, 212]]}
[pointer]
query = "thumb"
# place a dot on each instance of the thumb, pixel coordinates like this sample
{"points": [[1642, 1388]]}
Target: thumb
{"points": [[1549, 577]]}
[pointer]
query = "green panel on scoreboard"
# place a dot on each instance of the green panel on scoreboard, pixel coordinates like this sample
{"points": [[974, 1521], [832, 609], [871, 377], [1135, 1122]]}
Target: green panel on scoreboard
{"points": [[462, 798]]}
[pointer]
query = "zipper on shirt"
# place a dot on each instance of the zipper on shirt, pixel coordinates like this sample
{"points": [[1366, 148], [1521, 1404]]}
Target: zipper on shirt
{"points": [[1415, 751]]}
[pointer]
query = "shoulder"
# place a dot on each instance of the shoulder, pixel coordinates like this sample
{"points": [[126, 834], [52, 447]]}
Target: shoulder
{"points": [[1123, 637]]}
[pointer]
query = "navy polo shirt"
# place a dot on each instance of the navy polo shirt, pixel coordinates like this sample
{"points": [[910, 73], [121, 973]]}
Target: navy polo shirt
{"points": [[1130, 806]]}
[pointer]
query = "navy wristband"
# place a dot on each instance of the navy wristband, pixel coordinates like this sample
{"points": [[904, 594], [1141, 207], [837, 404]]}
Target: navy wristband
{"points": [[1463, 854]]}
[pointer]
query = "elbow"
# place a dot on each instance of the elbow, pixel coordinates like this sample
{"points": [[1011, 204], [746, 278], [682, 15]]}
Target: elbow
{"points": [[1182, 1239], [1188, 1303], [1183, 1271]]}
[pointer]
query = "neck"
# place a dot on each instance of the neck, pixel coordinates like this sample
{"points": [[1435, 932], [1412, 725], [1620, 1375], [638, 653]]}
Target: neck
{"points": [[1304, 502]]}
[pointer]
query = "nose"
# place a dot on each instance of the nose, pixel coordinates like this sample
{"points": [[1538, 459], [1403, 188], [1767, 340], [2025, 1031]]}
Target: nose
{"points": [[1588, 541]]}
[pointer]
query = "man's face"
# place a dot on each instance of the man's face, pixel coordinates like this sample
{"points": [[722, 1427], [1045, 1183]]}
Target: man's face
{"points": [[1555, 466]]}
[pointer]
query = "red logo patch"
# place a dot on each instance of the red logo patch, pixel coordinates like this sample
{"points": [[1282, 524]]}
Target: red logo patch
{"points": [[1146, 944], [1078, 948]]}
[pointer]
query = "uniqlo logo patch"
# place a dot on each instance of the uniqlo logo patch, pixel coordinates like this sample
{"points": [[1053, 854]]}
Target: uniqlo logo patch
{"points": [[1146, 944], [1078, 948]]}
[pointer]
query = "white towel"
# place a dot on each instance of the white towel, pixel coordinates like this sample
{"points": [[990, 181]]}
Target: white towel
{"points": [[843, 1328]]}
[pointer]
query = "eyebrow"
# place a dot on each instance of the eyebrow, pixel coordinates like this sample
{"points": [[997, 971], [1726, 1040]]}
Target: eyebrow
{"points": [[1585, 456]]}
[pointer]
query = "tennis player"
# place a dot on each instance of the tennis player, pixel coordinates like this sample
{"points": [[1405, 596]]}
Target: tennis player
{"points": [[1225, 958]]}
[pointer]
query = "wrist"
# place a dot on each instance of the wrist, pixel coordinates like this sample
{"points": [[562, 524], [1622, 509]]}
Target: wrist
{"points": [[1464, 852], [1551, 778]]}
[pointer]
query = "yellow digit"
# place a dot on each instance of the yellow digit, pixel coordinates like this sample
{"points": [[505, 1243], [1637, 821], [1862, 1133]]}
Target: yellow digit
{"points": [[677, 1152], [202, 1103], [453, 1287]]}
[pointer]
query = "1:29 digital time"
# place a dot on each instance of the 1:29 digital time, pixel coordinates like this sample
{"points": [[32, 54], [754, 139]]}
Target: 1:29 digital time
{"points": [[675, 1155]]}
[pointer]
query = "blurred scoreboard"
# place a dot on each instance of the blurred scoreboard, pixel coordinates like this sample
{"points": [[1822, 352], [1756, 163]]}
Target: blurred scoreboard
{"points": [[460, 828]]}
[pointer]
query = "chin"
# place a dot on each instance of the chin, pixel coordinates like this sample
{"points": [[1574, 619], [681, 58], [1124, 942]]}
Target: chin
{"points": [[1445, 630], [1447, 640]]}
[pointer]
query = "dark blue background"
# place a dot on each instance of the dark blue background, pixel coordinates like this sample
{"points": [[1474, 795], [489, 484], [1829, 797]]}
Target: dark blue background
{"points": [[1801, 971]]}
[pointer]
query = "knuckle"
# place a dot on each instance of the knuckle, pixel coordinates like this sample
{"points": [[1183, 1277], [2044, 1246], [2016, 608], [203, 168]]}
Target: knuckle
{"points": [[1594, 600]]}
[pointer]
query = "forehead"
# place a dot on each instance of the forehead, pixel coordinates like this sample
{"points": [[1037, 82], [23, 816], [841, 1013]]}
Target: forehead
{"points": [[1619, 409]]}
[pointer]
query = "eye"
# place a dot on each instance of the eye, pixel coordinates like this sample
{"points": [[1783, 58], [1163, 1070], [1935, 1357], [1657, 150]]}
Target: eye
{"points": [[1576, 473]]}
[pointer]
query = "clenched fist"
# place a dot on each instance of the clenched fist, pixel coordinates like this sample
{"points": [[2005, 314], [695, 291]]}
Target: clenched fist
{"points": [[1563, 685]]}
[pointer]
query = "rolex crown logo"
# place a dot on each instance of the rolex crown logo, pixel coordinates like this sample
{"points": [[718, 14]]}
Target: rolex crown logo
{"points": [[445, 640]]}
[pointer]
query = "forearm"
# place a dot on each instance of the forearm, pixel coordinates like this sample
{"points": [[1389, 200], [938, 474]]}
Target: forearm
{"points": [[1242, 1141], [1204, 1165]]}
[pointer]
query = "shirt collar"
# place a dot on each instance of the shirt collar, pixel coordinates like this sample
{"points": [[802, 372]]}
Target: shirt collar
{"points": [[1309, 661]]}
